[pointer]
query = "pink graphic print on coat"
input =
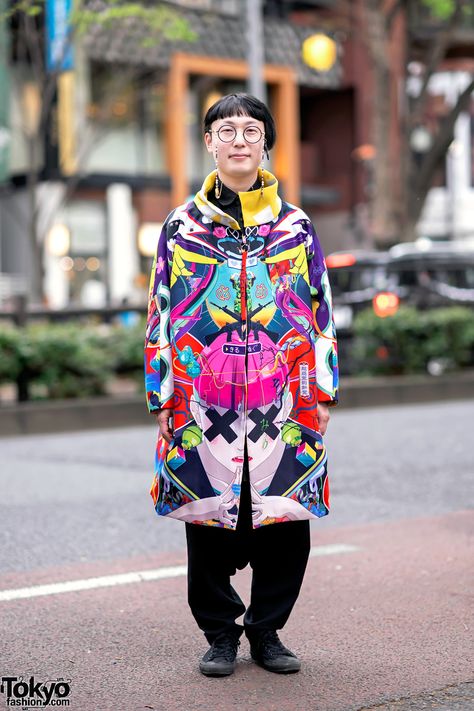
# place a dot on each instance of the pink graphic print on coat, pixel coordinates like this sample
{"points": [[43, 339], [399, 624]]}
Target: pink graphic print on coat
{"points": [[244, 350]]}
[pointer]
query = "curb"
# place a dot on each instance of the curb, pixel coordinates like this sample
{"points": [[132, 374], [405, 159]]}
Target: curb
{"points": [[69, 415], [406, 389], [108, 412]]}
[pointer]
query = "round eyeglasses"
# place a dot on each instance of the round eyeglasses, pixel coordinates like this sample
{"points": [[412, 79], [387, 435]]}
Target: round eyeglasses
{"points": [[251, 134]]}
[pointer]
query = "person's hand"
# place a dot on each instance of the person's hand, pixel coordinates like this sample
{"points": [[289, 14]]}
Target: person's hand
{"points": [[163, 417], [323, 417]]}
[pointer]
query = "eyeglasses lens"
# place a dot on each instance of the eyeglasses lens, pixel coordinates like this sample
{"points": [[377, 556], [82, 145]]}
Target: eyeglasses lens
{"points": [[251, 134]]}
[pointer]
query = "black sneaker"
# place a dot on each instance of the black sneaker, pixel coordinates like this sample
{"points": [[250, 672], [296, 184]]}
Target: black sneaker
{"points": [[272, 655], [219, 659]]}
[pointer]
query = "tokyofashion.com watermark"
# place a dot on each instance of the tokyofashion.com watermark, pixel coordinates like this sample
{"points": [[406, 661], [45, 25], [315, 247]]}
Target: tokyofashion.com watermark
{"points": [[26, 693]]}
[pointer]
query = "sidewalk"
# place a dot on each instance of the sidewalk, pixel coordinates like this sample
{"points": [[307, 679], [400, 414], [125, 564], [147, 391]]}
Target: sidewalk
{"points": [[385, 625], [129, 410]]}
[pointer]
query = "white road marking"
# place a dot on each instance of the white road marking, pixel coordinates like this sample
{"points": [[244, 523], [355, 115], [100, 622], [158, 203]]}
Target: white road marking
{"points": [[141, 576], [332, 549], [105, 581]]}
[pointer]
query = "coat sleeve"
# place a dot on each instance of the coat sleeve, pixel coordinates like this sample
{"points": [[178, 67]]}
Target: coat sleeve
{"points": [[327, 374], [159, 383]]}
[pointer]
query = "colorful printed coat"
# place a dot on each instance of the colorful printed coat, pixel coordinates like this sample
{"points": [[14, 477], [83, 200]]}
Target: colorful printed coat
{"points": [[240, 342]]}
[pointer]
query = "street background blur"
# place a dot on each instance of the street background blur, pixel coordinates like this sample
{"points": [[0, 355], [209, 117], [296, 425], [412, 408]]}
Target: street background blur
{"points": [[101, 136], [101, 108]]}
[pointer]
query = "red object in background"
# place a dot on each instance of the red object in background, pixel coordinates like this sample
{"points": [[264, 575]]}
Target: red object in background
{"points": [[385, 304], [340, 260], [382, 353]]}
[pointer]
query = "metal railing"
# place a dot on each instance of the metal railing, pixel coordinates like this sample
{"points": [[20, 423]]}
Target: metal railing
{"points": [[20, 313]]}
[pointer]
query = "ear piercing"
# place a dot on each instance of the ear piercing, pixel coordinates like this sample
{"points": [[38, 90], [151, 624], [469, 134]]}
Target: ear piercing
{"points": [[217, 187]]}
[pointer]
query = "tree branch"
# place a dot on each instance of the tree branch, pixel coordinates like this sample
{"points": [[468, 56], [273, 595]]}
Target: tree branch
{"points": [[393, 12], [441, 143], [436, 54], [90, 138], [33, 43]]}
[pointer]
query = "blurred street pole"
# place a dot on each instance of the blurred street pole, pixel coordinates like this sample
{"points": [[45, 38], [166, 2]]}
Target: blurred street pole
{"points": [[255, 49], [4, 93]]}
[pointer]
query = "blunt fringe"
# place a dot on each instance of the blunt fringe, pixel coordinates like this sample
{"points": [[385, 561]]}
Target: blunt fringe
{"points": [[242, 105]]}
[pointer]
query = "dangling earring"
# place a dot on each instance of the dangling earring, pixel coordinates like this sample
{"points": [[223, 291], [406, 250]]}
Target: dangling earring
{"points": [[262, 182], [217, 187]]}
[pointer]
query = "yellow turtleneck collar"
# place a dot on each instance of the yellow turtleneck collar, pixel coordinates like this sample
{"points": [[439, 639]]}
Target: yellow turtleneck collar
{"points": [[257, 208]]}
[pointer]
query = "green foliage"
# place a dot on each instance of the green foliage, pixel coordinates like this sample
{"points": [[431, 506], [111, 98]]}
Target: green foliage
{"points": [[73, 359], [159, 19], [78, 360], [35, 10], [442, 9], [28, 7], [68, 360], [125, 348], [450, 332], [410, 340], [9, 348]]}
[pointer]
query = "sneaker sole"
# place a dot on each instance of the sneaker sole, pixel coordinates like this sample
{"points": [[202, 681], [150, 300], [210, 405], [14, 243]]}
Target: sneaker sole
{"points": [[215, 672], [275, 670]]}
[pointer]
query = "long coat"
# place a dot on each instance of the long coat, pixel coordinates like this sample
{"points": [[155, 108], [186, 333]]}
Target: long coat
{"points": [[240, 342]]}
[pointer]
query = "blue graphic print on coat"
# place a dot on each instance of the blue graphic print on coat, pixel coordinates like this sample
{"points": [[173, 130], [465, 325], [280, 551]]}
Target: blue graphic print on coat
{"points": [[240, 342]]}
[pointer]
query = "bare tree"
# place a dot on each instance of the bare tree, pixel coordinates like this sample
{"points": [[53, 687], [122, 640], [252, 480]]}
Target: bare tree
{"points": [[158, 22], [398, 188], [396, 209]]}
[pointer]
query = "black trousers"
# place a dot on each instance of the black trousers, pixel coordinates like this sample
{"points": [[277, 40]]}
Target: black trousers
{"points": [[278, 554]]}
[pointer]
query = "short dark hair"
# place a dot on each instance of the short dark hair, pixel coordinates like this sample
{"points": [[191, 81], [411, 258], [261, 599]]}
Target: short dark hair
{"points": [[242, 105]]}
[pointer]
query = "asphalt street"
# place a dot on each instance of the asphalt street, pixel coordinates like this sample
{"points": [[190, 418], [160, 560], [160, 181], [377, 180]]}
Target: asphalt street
{"points": [[384, 620]]}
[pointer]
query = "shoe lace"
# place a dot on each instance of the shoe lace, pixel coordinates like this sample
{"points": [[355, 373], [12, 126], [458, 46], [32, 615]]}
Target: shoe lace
{"points": [[272, 643], [224, 647]]}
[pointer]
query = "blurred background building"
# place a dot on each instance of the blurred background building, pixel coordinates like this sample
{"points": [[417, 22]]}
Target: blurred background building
{"points": [[89, 173]]}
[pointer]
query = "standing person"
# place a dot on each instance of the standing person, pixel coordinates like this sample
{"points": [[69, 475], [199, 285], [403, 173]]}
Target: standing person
{"points": [[240, 369]]}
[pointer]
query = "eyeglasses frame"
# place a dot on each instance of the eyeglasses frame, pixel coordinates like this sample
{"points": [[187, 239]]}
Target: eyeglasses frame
{"points": [[252, 143]]}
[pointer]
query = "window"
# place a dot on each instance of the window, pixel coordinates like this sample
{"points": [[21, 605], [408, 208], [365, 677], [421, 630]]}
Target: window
{"points": [[126, 120], [85, 265], [356, 279], [25, 105]]}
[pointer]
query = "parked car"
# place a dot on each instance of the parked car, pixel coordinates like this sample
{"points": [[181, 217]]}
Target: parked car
{"points": [[357, 278], [425, 274], [429, 274]]}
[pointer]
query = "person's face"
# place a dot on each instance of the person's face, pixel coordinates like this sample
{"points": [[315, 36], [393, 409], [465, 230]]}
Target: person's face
{"points": [[219, 445], [239, 155], [230, 456]]}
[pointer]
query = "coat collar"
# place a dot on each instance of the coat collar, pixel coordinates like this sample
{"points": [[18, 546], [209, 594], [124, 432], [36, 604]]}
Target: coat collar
{"points": [[256, 208], [228, 197]]}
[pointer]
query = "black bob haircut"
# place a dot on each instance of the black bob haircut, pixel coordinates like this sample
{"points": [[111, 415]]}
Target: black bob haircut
{"points": [[242, 105]]}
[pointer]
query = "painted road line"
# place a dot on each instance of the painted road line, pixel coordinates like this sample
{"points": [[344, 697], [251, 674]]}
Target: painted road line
{"points": [[141, 576], [332, 549], [105, 581]]}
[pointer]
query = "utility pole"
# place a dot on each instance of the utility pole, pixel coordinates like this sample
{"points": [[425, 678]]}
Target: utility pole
{"points": [[255, 49], [4, 93]]}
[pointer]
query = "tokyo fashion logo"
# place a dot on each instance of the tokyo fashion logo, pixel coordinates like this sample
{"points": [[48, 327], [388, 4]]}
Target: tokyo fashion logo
{"points": [[26, 694]]}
